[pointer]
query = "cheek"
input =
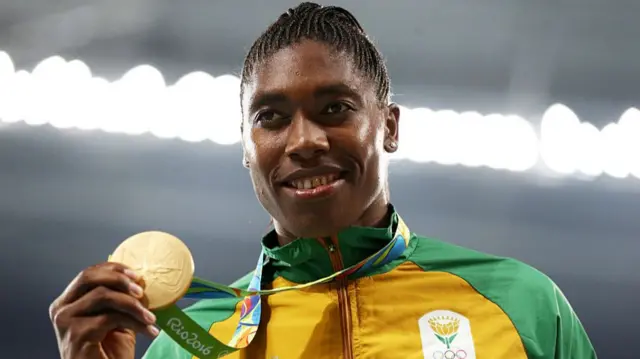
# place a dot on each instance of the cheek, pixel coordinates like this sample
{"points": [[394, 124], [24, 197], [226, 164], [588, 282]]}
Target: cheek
{"points": [[252, 145], [259, 183], [263, 152], [248, 144], [369, 135], [364, 130], [259, 170]]}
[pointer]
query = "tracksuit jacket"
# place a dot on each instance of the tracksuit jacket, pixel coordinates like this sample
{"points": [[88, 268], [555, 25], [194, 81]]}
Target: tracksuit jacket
{"points": [[435, 301]]}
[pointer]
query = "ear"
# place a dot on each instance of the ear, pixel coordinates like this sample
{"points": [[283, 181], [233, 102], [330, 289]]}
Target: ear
{"points": [[245, 161], [392, 128]]}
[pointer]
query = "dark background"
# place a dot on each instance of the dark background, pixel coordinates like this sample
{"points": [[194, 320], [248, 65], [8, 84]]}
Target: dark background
{"points": [[67, 198]]}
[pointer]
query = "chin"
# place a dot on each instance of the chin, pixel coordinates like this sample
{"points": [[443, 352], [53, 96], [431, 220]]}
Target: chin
{"points": [[315, 224], [315, 217]]}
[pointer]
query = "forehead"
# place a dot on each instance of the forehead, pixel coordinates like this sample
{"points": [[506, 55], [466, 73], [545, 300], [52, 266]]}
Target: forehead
{"points": [[301, 68]]}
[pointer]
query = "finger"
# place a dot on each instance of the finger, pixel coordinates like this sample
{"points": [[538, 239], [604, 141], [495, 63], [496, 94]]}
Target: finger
{"points": [[111, 275], [94, 329], [103, 299]]}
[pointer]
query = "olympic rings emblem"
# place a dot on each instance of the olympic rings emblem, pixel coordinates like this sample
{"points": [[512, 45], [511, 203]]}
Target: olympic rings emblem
{"points": [[450, 354]]}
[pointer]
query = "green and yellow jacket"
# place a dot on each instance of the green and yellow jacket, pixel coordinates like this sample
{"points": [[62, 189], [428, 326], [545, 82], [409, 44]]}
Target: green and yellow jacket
{"points": [[436, 301]]}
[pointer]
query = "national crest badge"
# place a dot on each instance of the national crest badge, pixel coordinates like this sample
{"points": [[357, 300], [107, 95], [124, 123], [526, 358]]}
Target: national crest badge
{"points": [[446, 335]]}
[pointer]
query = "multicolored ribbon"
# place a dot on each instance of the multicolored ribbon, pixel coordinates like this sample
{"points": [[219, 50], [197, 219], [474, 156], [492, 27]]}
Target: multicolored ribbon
{"points": [[197, 341]]}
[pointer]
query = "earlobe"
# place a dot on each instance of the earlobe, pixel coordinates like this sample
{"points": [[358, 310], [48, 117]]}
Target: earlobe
{"points": [[392, 128], [391, 147]]}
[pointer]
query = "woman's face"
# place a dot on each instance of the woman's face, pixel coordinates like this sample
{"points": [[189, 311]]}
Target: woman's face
{"points": [[314, 139]]}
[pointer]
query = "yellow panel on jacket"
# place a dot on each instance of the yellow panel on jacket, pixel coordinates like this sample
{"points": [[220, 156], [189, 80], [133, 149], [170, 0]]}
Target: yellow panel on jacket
{"points": [[385, 313]]}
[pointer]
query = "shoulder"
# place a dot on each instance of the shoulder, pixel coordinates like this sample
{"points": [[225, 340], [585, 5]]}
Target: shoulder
{"points": [[205, 312], [533, 302], [489, 274]]}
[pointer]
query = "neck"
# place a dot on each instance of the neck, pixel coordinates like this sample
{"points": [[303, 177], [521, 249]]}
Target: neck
{"points": [[377, 215]]}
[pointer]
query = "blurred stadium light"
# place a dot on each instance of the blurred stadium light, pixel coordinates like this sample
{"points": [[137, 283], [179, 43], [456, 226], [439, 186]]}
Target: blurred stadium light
{"points": [[200, 107]]}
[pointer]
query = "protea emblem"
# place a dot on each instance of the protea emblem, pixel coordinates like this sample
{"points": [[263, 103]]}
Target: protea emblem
{"points": [[446, 334], [445, 329]]}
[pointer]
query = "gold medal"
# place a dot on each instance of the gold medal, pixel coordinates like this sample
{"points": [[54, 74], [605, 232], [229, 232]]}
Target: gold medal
{"points": [[163, 261]]}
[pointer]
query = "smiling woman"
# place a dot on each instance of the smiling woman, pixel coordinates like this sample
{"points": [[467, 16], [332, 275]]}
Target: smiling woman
{"points": [[324, 120], [345, 277], [315, 100]]}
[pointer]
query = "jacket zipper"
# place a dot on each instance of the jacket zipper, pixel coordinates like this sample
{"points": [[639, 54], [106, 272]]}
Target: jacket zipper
{"points": [[344, 305]]}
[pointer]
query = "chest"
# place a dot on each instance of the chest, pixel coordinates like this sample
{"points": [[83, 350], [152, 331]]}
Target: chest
{"points": [[426, 315]]}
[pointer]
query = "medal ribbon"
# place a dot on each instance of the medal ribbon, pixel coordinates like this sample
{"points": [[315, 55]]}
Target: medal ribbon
{"points": [[197, 341]]}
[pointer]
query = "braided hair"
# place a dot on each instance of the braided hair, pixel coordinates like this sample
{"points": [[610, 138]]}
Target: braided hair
{"points": [[331, 25]]}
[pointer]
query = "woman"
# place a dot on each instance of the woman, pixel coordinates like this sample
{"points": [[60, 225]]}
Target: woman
{"points": [[317, 130]]}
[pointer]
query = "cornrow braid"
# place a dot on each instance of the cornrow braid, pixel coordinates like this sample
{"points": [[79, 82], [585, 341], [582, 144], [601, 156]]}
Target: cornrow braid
{"points": [[331, 25]]}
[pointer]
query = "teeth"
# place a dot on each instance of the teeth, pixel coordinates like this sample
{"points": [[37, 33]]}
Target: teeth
{"points": [[313, 182]]}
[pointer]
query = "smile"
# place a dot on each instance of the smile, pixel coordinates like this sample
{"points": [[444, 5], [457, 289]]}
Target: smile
{"points": [[314, 187], [314, 182]]}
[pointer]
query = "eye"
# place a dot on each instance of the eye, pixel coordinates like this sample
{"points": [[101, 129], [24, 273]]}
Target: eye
{"points": [[268, 118], [336, 108]]}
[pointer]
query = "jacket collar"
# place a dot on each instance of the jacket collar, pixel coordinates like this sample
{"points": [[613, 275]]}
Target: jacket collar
{"points": [[307, 259]]}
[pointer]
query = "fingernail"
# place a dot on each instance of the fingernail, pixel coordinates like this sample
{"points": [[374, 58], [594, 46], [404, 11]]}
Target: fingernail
{"points": [[131, 274], [153, 330], [135, 289], [149, 317]]}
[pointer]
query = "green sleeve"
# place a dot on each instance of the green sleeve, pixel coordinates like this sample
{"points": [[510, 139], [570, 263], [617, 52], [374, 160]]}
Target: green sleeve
{"points": [[205, 313], [571, 338]]}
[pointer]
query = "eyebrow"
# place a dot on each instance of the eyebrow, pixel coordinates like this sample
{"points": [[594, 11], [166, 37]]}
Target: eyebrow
{"points": [[336, 89], [269, 98]]}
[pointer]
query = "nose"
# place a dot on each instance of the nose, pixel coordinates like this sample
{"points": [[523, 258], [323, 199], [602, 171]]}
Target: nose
{"points": [[306, 139]]}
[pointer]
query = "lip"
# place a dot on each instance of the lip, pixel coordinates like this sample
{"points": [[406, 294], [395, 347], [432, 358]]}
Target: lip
{"points": [[310, 172], [319, 192]]}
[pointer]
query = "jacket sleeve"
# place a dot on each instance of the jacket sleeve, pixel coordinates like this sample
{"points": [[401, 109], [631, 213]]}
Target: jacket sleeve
{"points": [[572, 341], [205, 313]]}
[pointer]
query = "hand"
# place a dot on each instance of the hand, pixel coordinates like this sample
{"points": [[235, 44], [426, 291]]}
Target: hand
{"points": [[99, 314]]}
